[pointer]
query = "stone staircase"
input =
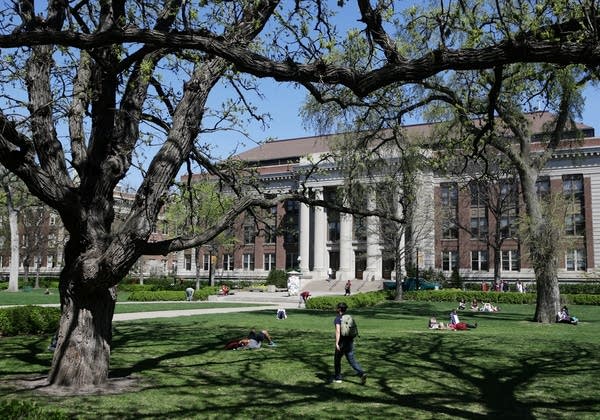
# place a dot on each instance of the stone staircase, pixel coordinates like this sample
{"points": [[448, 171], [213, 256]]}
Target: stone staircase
{"points": [[336, 287]]}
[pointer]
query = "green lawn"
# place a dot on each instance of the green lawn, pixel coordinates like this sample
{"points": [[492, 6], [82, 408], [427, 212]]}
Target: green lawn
{"points": [[508, 367], [37, 297]]}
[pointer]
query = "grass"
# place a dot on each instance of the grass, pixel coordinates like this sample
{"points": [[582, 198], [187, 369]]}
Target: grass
{"points": [[508, 367], [37, 297]]}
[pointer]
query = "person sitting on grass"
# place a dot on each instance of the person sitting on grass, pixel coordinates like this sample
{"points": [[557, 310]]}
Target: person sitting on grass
{"points": [[564, 317], [435, 325], [461, 304], [474, 305], [455, 323], [281, 314], [488, 307]]}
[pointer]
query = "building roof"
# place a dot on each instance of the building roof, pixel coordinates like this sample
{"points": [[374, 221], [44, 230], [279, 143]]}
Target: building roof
{"points": [[287, 149], [279, 152]]}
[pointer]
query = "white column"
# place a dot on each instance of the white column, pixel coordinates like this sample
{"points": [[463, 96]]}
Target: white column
{"points": [[320, 241], [304, 237], [346, 270], [374, 262]]}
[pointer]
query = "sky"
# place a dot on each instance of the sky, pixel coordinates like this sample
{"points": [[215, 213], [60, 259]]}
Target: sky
{"points": [[283, 102]]}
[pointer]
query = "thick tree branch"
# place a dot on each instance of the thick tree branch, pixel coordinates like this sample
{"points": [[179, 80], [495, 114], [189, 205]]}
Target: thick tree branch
{"points": [[526, 48]]}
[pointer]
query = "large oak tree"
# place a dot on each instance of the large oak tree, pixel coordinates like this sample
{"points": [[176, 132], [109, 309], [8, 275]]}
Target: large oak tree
{"points": [[85, 84]]}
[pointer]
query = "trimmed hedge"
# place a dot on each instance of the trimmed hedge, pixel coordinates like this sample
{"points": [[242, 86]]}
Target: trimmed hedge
{"points": [[358, 300], [454, 295], [170, 295], [28, 319]]}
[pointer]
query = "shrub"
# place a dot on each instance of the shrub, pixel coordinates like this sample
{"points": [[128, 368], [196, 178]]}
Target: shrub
{"points": [[580, 299], [169, 295], [358, 300], [453, 295], [28, 320], [278, 278], [25, 410], [580, 288]]}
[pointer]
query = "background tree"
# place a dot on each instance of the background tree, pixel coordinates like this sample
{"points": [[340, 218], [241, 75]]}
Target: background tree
{"points": [[12, 210], [195, 208]]}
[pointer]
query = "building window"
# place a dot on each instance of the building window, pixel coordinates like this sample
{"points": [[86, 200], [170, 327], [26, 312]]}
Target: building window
{"points": [[165, 228], [509, 209], [187, 261], [270, 234], [249, 235], [227, 262], [542, 187], [291, 261], [206, 262], [49, 261], [574, 212], [510, 260], [479, 260], [269, 262], [479, 221], [508, 224], [248, 262], [333, 230], [449, 260], [449, 208], [576, 260], [291, 206]]}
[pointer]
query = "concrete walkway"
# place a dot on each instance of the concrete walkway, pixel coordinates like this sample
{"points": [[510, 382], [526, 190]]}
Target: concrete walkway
{"points": [[267, 300]]}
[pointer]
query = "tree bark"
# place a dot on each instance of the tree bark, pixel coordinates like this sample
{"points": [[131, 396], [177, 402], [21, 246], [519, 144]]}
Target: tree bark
{"points": [[13, 278], [82, 354], [544, 249]]}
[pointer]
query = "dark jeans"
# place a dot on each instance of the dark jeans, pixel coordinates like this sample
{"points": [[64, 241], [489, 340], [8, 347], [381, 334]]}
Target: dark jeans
{"points": [[347, 349]]}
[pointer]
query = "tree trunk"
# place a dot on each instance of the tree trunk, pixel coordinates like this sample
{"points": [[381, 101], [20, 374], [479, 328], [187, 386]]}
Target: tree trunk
{"points": [[544, 253], [13, 279], [82, 354], [398, 261], [197, 251]]}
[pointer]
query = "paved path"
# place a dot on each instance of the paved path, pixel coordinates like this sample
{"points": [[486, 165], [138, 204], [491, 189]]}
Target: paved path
{"points": [[267, 301], [189, 312]]}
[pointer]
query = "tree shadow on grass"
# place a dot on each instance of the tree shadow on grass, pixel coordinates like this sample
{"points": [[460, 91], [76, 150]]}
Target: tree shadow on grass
{"points": [[426, 374]]}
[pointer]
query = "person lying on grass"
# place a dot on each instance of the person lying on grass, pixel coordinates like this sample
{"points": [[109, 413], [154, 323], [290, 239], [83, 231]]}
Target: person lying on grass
{"points": [[252, 341], [455, 323]]}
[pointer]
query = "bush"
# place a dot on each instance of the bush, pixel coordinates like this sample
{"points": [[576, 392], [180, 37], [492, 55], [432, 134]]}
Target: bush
{"points": [[25, 410], [170, 295], [580, 299], [278, 278], [580, 288], [28, 320], [358, 300], [454, 295]]}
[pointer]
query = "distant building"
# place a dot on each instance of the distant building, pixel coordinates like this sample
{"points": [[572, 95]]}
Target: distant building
{"points": [[452, 217]]}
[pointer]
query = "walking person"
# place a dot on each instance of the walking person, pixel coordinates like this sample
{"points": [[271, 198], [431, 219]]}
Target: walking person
{"points": [[347, 288], [345, 331]]}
